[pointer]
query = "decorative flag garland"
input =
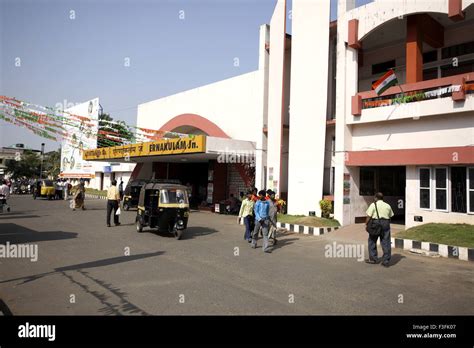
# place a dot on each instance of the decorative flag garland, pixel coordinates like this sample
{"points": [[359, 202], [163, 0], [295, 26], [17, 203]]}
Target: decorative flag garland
{"points": [[49, 123]]}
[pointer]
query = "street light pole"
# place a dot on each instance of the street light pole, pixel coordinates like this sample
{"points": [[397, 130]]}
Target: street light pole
{"points": [[41, 167]]}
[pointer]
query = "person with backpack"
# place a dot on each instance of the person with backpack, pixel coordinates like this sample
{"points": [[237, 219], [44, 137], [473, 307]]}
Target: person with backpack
{"points": [[377, 223]]}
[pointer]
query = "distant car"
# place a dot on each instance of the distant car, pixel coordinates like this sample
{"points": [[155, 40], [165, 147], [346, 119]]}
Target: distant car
{"points": [[44, 188]]}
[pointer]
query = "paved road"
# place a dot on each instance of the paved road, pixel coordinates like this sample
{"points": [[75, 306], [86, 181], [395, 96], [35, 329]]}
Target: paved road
{"points": [[83, 260]]}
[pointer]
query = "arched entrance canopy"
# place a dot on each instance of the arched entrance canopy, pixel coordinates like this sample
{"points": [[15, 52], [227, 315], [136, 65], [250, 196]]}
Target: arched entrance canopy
{"points": [[192, 120]]}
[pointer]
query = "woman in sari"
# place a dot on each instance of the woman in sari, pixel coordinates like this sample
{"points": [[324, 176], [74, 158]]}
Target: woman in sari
{"points": [[79, 193]]}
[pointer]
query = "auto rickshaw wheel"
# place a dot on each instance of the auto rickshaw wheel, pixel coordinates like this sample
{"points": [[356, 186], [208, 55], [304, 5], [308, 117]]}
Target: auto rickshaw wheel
{"points": [[34, 195], [139, 225], [177, 233]]}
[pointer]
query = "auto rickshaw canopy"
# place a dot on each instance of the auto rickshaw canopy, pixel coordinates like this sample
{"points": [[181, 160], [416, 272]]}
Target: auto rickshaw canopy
{"points": [[164, 195]]}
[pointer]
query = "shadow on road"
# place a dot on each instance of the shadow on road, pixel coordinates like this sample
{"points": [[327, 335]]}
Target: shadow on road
{"points": [[16, 212], [193, 232], [396, 258], [86, 265], [283, 242], [125, 306], [110, 308], [16, 234], [107, 262], [14, 217], [93, 209], [189, 233]]}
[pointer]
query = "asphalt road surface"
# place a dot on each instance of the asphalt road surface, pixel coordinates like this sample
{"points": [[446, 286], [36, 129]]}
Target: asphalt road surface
{"points": [[83, 267]]}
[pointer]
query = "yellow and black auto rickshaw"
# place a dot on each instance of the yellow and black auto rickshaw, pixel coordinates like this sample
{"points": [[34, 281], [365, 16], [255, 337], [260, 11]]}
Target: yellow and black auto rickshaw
{"points": [[133, 188], [163, 206], [43, 188]]}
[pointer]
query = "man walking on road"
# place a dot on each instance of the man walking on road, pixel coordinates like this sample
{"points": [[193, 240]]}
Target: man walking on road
{"points": [[246, 212], [4, 194], [262, 207], [381, 212], [113, 200], [273, 214], [121, 189]]}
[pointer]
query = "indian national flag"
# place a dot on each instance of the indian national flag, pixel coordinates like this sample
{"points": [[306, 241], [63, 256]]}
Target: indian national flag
{"points": [[385, 82]]}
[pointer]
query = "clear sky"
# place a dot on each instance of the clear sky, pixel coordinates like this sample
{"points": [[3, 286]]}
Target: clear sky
{"points": [[74, 50]]}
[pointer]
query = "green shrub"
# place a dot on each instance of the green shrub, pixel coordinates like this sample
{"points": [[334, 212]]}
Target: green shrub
{"points": [[326, 208]]}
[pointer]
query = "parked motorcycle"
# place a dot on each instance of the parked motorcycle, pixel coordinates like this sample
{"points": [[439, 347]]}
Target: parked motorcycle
{"points": [[21, 188]]}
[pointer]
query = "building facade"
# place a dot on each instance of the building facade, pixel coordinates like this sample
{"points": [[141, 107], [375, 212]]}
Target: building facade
{"points": [[415, 142], [316, 128]]}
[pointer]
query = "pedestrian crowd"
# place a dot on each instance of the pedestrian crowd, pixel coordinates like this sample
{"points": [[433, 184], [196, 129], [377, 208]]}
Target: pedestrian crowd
{"points": [[259, 212]]}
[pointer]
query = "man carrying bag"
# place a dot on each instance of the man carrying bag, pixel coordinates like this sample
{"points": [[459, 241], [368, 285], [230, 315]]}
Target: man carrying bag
{"points": [[113, 203], [378, 225]]}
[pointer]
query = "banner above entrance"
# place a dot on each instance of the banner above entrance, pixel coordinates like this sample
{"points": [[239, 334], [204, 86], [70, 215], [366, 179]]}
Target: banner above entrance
{"points": [[178, 146]]}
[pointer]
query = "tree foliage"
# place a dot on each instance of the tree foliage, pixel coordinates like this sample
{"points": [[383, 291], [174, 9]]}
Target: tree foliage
{"points": [[27, 167], [52, 163]]}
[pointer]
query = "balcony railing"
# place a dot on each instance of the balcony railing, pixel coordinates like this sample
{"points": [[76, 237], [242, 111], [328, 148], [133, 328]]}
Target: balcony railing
{"points": [[456, 87]]}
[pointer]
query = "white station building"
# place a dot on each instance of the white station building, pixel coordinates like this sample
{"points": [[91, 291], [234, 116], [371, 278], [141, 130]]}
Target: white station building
{"points": [[316, 128]]}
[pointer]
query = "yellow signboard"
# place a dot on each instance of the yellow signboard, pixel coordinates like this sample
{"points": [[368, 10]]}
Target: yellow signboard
{"points": [[178, 146]]}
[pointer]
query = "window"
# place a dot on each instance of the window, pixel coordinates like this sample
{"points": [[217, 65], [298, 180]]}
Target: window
{"points": [[462, 68], [458, 181], [333, 146], [470, 182], [425, 188], [457, 50], [382, 68], [391, 181], [430, 74], [48, 183], [431, 56], [441, 188], [367, 181], [173, 196]]}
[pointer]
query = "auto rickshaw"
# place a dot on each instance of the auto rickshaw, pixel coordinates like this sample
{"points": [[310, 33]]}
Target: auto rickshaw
{"points": [[43, 188], [163, 206], [132, 190]]}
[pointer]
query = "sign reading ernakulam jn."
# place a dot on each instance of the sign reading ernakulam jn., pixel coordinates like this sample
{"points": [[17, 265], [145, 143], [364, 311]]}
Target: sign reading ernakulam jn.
{"points": [[191, 144]]}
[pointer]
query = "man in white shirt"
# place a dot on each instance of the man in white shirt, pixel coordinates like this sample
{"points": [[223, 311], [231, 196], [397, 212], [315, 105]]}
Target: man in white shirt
{"points": [[113, 203], [4, 194]]}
